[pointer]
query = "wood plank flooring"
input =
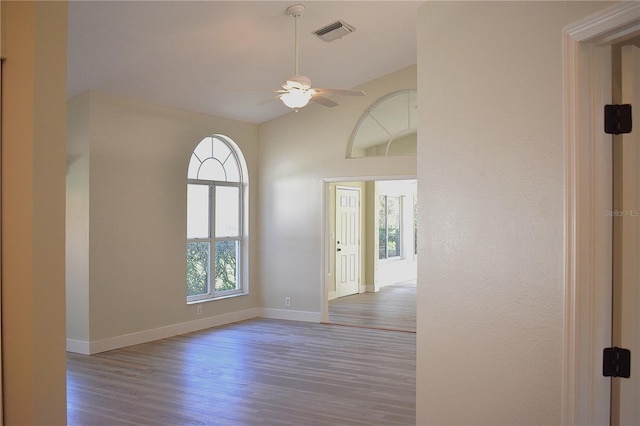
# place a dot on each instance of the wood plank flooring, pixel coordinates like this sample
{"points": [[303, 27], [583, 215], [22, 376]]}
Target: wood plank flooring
{"points": [[393, 307], [256, 372]]}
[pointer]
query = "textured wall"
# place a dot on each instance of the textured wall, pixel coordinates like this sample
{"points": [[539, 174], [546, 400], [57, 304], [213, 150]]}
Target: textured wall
{"points": [[490, 155]]}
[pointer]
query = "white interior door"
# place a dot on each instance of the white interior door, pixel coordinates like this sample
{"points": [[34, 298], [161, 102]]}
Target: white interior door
{"points": [[625, 408], [347, 241]]}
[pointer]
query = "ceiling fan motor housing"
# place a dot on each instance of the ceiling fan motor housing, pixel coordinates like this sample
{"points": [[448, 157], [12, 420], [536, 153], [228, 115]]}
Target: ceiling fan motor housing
{"points": [[301, 82]]}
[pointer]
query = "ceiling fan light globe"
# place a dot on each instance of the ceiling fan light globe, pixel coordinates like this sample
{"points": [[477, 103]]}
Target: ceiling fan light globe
{"points": [[296, 98]]}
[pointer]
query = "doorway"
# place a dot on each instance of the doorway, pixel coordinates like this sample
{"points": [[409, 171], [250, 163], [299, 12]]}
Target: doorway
{"points": [[370, 253]]}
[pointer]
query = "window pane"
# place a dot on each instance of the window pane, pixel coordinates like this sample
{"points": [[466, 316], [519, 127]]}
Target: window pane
{"points": [[197, 211], [233, 172], [197, 268], [194, 165], [227, 211], [226, 265], [204, 150], [221, 151], [211, 169], [382, 227], [393, 226]]}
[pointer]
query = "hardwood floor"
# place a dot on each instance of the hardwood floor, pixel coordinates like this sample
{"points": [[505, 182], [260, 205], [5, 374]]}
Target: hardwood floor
{"points": [[256, 372], [393, 307]]}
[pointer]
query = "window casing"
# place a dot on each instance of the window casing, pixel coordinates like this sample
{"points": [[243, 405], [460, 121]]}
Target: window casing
{"points": [[389, 227], [216, 232]]}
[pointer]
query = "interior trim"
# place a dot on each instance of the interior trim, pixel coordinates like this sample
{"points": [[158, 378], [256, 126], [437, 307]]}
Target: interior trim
{"points": [[587, 79]]}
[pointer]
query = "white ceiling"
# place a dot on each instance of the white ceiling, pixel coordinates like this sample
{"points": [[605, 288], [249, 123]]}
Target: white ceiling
{"points": [[225, 57]]}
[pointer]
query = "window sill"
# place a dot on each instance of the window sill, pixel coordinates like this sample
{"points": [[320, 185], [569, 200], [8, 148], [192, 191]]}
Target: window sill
{"points": [[213, 299], [391, 259]]}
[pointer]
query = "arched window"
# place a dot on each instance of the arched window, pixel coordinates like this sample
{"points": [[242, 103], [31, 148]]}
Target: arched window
{"points": [[216, 220], [388, 127]]}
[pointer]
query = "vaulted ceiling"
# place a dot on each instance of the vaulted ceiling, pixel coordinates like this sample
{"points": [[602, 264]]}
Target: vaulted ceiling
{"points": [[226, 57]]}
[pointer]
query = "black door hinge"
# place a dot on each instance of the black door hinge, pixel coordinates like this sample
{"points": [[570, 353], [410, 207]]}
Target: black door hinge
{"points": [[616, 362], [617, 119]]}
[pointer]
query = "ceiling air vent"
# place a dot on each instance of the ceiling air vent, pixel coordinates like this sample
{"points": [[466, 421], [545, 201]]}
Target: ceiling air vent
{"points": [[334, 31]]}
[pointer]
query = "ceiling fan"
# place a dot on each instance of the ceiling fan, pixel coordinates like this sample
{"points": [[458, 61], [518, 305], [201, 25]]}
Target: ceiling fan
{"points": [[296, 89]]}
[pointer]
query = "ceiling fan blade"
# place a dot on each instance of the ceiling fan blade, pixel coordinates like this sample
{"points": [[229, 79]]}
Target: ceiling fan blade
{"points": [[323, 101], [340, 92]]}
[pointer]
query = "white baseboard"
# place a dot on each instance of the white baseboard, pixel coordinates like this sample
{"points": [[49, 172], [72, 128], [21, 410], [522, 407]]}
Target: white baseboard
{"points": [[97, 346], [288, 314], [332, 295], [371, 288], [78, 346]]}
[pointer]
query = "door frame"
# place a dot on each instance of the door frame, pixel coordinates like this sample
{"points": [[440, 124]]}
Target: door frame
{"points": [[587, 87], [326, 268]]}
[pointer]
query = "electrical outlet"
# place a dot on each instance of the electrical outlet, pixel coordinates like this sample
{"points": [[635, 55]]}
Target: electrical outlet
{"points": [[199, 310], [287, 301]]}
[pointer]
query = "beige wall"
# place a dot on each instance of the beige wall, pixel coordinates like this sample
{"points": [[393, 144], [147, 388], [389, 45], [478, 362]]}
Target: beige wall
{"points": [[77, 219], [490, 155], [127, 219], [33, 206], [298, 151]]}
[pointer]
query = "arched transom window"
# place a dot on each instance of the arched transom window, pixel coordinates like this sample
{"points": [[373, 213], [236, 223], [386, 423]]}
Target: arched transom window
{"points": [[216, 230]]}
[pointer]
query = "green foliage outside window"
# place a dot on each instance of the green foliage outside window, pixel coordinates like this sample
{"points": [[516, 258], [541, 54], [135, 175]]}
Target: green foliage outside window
{"points": [[388, 227], [226, 270], [197, 268]]}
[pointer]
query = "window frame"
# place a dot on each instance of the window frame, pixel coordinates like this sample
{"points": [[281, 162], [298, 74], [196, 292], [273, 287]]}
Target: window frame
{"points": [[212, 239]]}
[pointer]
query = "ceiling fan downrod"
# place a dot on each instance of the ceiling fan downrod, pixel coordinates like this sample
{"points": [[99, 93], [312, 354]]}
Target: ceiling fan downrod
{"points": [[295, 11]]}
